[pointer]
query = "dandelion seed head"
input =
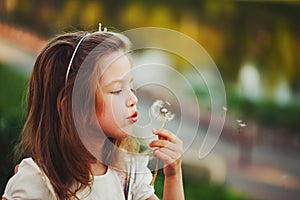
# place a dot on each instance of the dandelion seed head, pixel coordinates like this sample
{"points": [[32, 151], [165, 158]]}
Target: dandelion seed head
{"points": [[160, 111], [164, 110]]}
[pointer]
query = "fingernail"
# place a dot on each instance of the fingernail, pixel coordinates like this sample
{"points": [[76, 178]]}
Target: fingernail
{"points": [[155, 131]]}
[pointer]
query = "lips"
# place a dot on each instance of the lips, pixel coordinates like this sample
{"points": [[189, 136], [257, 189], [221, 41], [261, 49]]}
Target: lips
{"points": [[133, 117]]}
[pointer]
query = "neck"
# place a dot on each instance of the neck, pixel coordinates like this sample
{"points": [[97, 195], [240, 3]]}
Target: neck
{"points": [[98, 168], [95, 147]]}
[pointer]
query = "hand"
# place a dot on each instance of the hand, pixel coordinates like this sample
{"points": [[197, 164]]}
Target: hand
{"points": [[169, 150]]}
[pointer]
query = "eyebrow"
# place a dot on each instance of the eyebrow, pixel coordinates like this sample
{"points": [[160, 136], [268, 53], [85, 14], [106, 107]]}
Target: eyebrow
{"points": [[117, 81]]}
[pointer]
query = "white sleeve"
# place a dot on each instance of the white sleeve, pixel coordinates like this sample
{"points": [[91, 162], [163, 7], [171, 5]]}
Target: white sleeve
{"points": [[142, 189], [28, 183]]}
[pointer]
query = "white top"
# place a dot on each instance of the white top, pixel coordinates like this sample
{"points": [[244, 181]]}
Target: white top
{"points": [[31, 183]]}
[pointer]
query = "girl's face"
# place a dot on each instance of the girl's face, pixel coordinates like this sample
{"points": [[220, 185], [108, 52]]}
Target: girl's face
{"points": [[119, 112]]}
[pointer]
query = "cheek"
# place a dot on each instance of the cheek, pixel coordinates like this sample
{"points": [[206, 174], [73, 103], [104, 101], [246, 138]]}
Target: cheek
{"points": [[116, 106], [105, 119], [111, 112], [99, 109]]}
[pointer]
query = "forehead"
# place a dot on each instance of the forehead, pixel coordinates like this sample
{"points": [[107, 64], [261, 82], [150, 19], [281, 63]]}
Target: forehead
{"points": [[118, 67]]}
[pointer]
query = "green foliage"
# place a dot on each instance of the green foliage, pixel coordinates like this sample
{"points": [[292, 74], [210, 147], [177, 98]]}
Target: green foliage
{"points": [[230, 32], [266, 112], [199, 189], [12, 87]]}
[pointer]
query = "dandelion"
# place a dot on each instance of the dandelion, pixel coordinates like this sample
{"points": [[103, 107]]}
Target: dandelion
{"points": [[160, 111]]}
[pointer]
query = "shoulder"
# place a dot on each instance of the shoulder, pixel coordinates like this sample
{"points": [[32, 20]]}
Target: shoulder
{"points": [[28, 183]]}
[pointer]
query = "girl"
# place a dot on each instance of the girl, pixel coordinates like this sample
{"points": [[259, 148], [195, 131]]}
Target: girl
{"points": [[81, 110]]}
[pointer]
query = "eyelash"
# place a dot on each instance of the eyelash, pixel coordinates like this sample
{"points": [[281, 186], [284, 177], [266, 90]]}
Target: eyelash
{"points": [[116, 92], [119, 91]]}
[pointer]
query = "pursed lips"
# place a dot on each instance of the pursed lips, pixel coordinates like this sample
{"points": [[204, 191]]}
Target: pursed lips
{"points": [[133, 117]]}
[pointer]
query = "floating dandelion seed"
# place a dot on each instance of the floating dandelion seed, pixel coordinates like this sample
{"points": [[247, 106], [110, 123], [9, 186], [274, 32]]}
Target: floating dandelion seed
{"points": [[239, 121], [160, 111], [224, 108], [241, 124]]}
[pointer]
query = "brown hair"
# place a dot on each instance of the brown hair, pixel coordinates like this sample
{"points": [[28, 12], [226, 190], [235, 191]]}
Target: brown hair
{"points": [[49, 135]]}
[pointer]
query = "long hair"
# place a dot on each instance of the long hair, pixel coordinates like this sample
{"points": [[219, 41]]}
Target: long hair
{"points": [[49, 135]]}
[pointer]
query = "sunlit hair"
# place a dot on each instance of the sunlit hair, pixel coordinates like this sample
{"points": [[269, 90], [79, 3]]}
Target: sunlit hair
{"points": [[49, 135]]}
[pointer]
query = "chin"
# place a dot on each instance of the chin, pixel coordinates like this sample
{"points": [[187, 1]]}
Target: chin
{"points": [[126, 134], [122, 134], [127, 131]]}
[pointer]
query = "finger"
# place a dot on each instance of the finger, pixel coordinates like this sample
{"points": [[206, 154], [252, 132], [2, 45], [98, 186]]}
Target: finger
{"points": [[166, 144], [161, 143], [168, 135], [174, 155], [167, 155]]}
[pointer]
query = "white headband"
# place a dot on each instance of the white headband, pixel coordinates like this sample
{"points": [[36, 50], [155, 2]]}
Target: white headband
{"points": [[77, 46], [73, 55]]}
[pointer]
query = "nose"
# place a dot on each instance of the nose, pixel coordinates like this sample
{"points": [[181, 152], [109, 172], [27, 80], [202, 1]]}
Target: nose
{"points": [[132, 100]]}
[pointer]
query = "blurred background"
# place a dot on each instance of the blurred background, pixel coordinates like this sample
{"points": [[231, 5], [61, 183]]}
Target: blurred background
{"points": [[256, 46]]}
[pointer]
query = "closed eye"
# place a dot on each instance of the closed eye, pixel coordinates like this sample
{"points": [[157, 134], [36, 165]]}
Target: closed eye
{"points": [[116, 92]]}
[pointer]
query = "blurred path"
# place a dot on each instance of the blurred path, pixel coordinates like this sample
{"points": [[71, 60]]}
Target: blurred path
{"points": [[269, 173], [14, 55], [19, 47]]}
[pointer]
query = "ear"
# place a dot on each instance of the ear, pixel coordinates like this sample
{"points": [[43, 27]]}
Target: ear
{"points": [[62, 102], [16, 169]]}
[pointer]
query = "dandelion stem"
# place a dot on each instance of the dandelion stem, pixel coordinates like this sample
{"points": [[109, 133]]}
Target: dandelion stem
{"points": [[157, 161]]}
